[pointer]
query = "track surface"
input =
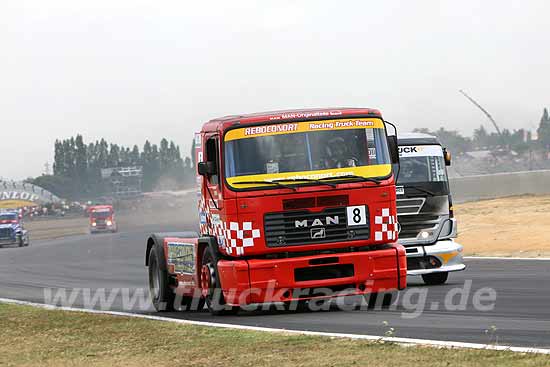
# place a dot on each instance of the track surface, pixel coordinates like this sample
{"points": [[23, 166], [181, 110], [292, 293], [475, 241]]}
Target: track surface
{"points": [[521, 313]]}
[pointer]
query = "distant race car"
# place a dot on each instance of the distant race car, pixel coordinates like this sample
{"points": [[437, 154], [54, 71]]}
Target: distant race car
{"points": [[12, 231]]}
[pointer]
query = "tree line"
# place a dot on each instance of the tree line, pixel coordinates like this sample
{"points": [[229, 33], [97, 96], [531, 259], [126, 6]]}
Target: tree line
{"points": [[77, 166], [519, 141]]}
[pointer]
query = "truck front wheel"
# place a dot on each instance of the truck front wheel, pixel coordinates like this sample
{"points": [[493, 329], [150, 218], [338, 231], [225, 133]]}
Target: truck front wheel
{"points": [[381, 300], [210, 283], [435, 278]]}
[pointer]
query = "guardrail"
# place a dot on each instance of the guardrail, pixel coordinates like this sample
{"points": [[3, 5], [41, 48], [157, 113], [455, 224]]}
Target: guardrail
{"points": [[492, 186]]}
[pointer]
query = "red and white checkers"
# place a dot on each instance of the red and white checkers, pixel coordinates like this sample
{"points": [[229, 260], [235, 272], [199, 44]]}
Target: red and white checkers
{"points": [[237, 238], [231, 237], [386, 227]]}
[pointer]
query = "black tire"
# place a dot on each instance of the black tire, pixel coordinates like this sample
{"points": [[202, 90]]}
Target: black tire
{"points": [[215, 300], [162, 296], [21, 241], [435, 278], [297, 306], [373, 300]]}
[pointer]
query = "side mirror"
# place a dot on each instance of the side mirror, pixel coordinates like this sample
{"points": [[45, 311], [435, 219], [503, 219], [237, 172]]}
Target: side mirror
{"points": [[207, 168], [394, 149], [447, 156]]}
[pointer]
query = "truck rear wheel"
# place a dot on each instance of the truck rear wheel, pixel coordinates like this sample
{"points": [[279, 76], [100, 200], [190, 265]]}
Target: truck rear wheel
{"points": [[210, 282], [435, 278], [162, 296]]}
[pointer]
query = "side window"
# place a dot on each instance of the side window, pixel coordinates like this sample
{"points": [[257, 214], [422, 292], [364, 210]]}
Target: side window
{"points": [[212, 156]]}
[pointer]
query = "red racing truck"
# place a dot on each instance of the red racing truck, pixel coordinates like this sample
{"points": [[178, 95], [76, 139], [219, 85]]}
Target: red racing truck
{"points": [[102, 219], [293, 206]]}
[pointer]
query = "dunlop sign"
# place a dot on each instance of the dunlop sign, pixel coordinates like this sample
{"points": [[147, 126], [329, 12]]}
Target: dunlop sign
{"points": [[16, 195]]}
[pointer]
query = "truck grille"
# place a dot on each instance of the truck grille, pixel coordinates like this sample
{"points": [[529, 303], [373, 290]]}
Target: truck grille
{"points": [[411, 226], [410, 206], [101, 223], [281, 229], [6, 233]]}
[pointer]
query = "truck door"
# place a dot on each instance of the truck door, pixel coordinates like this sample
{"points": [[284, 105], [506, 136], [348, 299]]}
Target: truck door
{"points": [[212, 191]]}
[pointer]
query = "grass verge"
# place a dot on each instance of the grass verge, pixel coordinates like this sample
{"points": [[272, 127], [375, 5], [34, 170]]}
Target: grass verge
{"points": [[34, 336]]}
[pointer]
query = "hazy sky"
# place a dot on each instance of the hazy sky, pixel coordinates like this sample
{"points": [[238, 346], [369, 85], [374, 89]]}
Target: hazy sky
{"points": [[128, 70]]}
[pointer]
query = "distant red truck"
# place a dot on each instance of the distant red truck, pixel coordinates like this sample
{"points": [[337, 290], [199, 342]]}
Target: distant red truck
{"points": [[102, 219]]}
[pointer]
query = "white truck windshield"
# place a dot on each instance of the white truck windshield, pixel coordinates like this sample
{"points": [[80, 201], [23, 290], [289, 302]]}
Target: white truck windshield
{"points": [[421, 164]]}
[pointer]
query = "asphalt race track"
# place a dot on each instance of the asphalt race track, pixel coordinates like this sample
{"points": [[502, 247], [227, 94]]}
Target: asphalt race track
{"points": [[521, 313]]}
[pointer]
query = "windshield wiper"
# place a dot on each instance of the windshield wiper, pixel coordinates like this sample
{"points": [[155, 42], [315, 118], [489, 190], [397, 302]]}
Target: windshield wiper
{"points": [[364, 179], [264, 182], [420, 189], [307, 180]]}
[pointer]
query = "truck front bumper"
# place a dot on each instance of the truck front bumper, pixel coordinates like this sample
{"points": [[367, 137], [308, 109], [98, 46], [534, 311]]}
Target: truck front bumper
{"points": [[8, 241], [442, 257], [102, 229], [313, 277]]}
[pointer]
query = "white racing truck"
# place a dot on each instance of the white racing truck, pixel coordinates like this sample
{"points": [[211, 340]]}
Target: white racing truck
{"points": [[12, 231], [425, 209]]}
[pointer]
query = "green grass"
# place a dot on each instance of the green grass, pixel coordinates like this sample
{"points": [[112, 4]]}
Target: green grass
{"points": [[33, 336]]}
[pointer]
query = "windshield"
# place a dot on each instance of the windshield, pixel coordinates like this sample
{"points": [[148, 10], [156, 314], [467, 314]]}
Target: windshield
{"points": [[101, 215], [5, 217], [421, 163], [423, 166], [306, 150]]}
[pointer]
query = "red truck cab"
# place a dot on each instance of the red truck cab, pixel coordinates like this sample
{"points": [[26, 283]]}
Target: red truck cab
{"points": [[293, 206], [102, 219]]}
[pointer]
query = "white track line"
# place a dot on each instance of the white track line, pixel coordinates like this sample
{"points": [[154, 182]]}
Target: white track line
{"points": [[506, 258], [400, 341]]}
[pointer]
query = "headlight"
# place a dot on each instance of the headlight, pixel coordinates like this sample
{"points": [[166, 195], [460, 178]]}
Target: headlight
{"points": [[94, 224], [109, 223], [424, 235]]}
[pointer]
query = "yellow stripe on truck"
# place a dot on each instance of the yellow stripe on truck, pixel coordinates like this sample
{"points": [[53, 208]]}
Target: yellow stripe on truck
{"points": [[381, 170], [301, 127]]}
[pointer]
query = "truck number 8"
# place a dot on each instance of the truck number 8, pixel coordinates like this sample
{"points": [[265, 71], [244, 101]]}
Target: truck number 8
{"points": [[357, 215]]}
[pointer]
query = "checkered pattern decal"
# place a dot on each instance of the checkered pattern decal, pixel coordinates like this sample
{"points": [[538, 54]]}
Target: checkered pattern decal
{"points": [[232, 237], [386, 227], [237, 239]]}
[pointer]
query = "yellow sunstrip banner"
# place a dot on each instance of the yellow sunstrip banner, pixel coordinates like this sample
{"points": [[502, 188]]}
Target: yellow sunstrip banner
{"points": [[381, 170], [305, 126], [16, 204]]}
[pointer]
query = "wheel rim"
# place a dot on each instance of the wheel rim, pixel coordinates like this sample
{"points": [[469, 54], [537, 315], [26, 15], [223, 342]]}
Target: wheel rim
{"points": [[207, 279]]}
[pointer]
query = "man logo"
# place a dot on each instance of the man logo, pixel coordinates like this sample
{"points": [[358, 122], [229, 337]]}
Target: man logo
{"points": [[318, 233], [317, 222]]}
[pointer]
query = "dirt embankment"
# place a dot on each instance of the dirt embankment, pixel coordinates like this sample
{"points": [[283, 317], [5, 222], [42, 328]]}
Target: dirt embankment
{"points": [[515, 226]]}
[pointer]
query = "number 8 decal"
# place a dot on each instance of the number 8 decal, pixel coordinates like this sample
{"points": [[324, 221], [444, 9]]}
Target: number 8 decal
{"points": [[357, 215]]}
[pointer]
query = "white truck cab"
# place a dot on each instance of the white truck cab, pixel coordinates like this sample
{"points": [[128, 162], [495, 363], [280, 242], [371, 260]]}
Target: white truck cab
{"points": [[425, 209]]}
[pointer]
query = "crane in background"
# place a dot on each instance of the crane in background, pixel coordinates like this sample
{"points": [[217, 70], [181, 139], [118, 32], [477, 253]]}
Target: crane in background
{"points": [[486, 114]]}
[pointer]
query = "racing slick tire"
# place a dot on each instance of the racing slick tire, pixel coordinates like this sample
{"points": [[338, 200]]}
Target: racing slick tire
{"points": [[382, 300], [162, 296], [435, 278], [215, 300], [297, 306]]}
